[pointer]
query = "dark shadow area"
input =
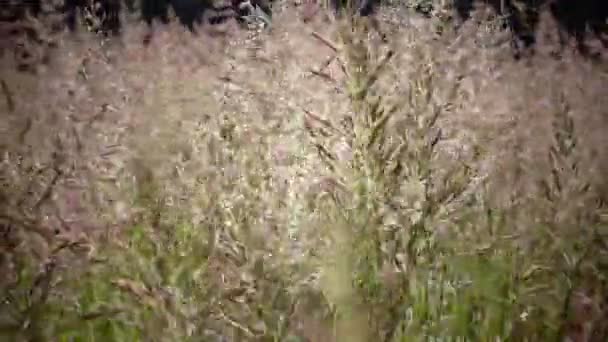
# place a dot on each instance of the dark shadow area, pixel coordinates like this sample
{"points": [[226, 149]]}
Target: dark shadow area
{"points": [[104, 16], [578, 20]]}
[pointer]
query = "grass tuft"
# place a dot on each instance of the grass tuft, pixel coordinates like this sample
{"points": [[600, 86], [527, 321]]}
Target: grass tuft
{"points": [[432, 190]]}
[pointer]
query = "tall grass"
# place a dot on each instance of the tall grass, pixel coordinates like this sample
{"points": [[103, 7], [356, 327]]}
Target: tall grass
{"points": [[394, 236]]}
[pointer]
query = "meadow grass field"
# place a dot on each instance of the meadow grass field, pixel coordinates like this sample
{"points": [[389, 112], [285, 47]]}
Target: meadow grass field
{"points": [[305, 183]]}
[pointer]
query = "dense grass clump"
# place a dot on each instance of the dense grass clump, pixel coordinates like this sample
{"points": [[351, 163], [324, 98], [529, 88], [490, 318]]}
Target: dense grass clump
{"points": [[417, 191]]}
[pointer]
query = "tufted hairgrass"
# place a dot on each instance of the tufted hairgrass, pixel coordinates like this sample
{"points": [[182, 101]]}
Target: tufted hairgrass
{"points": [[409, 192]]}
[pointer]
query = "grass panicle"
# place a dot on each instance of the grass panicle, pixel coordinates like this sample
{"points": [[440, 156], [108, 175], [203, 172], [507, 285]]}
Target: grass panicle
{"points": [[433, 190]]}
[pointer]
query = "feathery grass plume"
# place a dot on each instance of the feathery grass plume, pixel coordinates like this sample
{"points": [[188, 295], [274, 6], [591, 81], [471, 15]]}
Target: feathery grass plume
{"points": [[386, 269], [170, 197]]}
